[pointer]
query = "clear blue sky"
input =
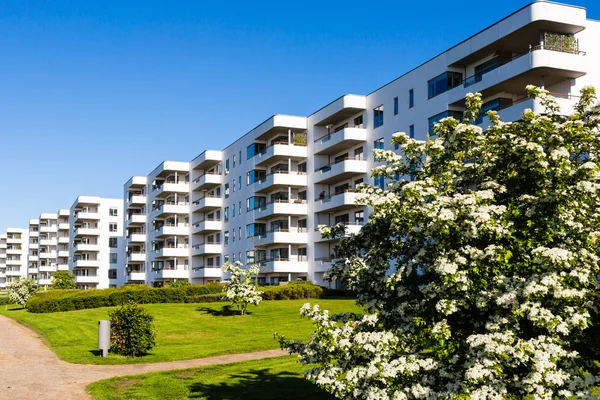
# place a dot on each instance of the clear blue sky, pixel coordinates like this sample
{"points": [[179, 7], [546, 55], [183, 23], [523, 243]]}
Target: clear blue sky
{"points": [[93, 92]]}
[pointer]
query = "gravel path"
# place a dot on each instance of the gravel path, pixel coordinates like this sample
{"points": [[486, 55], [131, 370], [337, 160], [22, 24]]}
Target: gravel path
{"points": [[29, 370]]}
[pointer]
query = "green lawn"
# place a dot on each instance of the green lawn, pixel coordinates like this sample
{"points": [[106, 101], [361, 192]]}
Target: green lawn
{"points": [[274, 378], [184, 331]]}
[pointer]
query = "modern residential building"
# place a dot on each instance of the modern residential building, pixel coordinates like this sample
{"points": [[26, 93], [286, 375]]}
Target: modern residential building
{"points": [[96, 242], [262, 199], [3, 246], [17, 245]]}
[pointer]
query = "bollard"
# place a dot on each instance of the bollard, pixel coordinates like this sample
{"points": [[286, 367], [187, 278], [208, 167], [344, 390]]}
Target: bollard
{"points": [[103, 337]]}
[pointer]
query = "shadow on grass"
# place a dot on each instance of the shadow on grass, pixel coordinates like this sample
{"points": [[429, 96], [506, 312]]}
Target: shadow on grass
{"points": [[98, 353], [259, 384], [15, 309], [225, 311]]}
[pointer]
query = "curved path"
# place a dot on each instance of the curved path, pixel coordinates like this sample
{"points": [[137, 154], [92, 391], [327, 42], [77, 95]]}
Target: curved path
{"points": [[29, 370]]}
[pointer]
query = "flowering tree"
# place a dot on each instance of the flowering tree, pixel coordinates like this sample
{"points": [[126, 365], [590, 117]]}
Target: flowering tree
{"points": [[479, 273], [240, 289], [20, 291]]}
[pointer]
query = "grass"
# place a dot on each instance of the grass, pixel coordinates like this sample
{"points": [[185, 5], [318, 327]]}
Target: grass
{"points": [[184, 331], [269, 379]]}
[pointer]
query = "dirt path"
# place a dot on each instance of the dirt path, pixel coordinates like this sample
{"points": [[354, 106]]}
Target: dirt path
{"points": [[29, 370]]}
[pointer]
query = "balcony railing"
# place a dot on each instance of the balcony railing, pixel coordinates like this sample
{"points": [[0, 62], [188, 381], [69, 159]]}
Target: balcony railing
{"points": [[327, 137], [328, 166]]}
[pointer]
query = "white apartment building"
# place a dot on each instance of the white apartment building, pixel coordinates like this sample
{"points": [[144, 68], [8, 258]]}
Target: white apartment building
{"points": [[96, 242], [17, 245], [261, 199], [3, 246]]}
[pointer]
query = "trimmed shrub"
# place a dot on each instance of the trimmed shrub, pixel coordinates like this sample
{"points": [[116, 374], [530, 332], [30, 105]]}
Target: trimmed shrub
{"points": [[131, 330], [205, 298], [306, 290], [4, 301], [69, 300]]}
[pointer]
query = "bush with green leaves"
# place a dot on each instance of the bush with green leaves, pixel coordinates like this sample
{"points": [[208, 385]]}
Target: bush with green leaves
{"points": [[178, 284], [292, 291], [63, 280], [21, 291], [479, 274], [132, 331]]}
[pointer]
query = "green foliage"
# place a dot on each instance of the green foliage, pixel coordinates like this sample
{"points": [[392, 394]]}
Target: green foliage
{"points": [[63, 280], [21, 291], [292, 291], [560, 41], [178, 284], [69, 300], [205, 298], [132, 330], [300, 139], [4, 300]]}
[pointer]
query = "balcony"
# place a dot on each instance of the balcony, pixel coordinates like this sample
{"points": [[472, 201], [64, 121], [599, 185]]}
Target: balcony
{"points": [[173, 230], [63, 240], [33, 258], [135, 219], [136, 276], [13, 240], [207, 203], [47, 255], [138, 200], [554, 66], [79, 247], [49, 229], [352, 228], [339, 110], [207, 225], [285, 265], [322, 264], [139, 256], [32, 270], [207, 181], [286, 236], [168, 188], [172, 252], [83, 215], [206, 272], [62, 253], [14, 251], [282, 207], [13, 272], [170, 209], [338, 141], [62, 267], [34, 234], [340, 170], [336, 202], [137, 238], [87, 279], [281, 152], [207, 159], [86, 232], [47, 242], [172, 273], [63, 226], [283, 179], [47, 268], [207, 248], [87, 264], [45, 281]]}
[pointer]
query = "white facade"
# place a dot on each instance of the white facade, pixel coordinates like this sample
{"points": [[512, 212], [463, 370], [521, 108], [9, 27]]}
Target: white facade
{"points": [[262, 198], [3, 262], [96, 242], [17, 247]]}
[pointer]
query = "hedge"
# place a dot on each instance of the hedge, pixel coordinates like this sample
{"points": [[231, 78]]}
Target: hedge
{"points": [[69, 300], [4, 301], [205, 298], [291, 291]]}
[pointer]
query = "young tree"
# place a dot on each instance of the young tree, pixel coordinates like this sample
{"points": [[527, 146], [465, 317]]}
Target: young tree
{"points": [[241, 290], [21, 291], [479, 273], [132, 330], [63, 280]]}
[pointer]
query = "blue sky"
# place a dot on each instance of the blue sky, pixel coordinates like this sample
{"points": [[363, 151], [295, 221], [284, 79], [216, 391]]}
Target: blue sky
{"points": [[93, 92]]}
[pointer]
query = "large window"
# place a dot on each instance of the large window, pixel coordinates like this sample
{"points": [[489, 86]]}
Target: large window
{"points": [[255, 148], [378, 144], [378, 116], [255, 175], [112, 242], [443, 83], [113, 258], [112, 274], [436, 118], [486, 67], [256, 203], [493, 105]]}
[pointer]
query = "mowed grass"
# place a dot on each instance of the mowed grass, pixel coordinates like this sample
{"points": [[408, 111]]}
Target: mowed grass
{"points": [[269, 379], [184, 331]]}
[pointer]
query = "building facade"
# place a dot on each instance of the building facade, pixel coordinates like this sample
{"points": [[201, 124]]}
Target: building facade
{"points": [[262, 199]]}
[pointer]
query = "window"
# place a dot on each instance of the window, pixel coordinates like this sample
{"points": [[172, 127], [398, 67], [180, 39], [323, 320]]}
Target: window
{"points": [[411, 131], [113, 212], [359, 217], [240, 182], [225, 258], [112, 274], [227, 190], [395, 106], [112, 227], [240, 157], [233, 235], [113, 258], [226, 239], [240, 236], [342, 219], [378, 144], [112, 242], [234, 161], [444, 82], [233, 211], [226, 214], [358, 121], [255, 148], [380, 181], [493, 105], [240, 207], [436, 118], [378, 116], [250, 257], [411, 98], [227, 167]]}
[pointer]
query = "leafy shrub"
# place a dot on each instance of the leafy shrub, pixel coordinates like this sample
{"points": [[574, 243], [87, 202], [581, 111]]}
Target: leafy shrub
{"points": [[205, 298], [131, 330], [21, 291], [69, 300], [306, 290], [63, 280], [4, 300]]}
